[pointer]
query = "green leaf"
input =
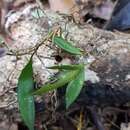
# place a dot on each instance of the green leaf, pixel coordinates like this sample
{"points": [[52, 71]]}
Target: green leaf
{"points": [[26, 101], [62, 80], [66, 67], [62, 43], [74, 88]]}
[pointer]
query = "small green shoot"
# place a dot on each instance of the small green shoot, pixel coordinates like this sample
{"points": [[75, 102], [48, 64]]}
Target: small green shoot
{"points": [[73, 75]]}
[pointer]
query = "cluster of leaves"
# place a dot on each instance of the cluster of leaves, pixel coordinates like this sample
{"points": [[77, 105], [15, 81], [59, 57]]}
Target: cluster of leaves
{"points": [[73, 75]]}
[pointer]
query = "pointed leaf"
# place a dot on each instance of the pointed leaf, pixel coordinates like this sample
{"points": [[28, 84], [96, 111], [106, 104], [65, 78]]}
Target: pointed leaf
{"points": [[66, 67], [64, 79], [62, 43], [74, 88], [26, 102]]}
